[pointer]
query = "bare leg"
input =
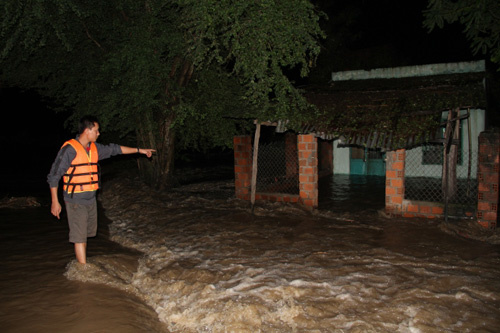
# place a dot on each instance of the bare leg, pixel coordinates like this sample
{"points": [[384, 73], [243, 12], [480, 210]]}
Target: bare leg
{"points": [[81, 252]]}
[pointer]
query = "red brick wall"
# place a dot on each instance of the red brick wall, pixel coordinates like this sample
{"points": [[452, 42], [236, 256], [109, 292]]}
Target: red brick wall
{"points": [[277, 197], [306, 150], [242, 166], [488, 185], [394, 181], [488, 179], [395, 203], [308, 170]]}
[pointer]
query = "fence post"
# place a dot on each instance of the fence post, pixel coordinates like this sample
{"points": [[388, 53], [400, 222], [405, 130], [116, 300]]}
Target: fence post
{"points": [[394, 177], [308, 170], [488, 179], [242, 166]]}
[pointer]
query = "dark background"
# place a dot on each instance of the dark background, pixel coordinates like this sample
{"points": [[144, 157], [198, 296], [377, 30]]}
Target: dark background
{"points": [[362, 34]]}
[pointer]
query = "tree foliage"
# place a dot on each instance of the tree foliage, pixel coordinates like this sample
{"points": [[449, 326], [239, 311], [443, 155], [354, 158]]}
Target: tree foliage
{"points": [[480, 18], [168, 71]]}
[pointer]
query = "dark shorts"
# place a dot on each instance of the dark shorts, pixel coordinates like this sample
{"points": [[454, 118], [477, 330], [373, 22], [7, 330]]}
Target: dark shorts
{"points": [[82, 220]]}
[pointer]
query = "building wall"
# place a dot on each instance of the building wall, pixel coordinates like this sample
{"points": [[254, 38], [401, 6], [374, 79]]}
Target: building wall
{"points": [[342, 156], [477, 119], [341, 159]]}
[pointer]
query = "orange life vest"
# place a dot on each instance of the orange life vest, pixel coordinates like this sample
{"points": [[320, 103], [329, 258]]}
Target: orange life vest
{"points": [[83, 174]]}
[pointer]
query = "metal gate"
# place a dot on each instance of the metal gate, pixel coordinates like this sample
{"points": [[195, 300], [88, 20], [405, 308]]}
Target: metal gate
{"points": [[368, 162]]}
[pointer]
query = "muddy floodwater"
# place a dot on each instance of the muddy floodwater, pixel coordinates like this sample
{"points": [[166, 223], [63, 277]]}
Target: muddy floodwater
{"points": [[197, 260], [35, 296]]}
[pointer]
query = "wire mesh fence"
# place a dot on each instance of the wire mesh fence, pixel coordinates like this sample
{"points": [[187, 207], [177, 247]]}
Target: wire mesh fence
{"points": [[424, 180], [278, 167]]}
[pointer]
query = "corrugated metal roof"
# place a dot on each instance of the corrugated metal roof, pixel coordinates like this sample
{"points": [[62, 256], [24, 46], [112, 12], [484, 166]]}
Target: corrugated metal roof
{"points": [[372, 139]]}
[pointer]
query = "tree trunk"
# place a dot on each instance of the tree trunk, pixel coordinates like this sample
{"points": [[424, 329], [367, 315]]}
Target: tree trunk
{"points": [[166, 168], [157, 172], [156, 131]]}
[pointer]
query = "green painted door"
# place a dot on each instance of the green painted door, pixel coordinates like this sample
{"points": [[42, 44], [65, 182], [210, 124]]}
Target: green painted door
{"points": [[368, 162]]}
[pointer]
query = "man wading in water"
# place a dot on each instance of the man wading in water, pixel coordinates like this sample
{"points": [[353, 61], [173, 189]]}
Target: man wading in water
{"points": [[76, 162]]}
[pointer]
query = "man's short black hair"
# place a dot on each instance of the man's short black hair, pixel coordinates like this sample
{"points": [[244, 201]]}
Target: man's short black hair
{"points": [[87, 122]]}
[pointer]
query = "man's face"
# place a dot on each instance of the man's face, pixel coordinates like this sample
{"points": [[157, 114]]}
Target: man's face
{"points": [[93, 133]]}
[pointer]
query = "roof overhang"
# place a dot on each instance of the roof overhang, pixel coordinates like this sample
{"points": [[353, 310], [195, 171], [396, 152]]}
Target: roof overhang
{"points": [[393, 108]]}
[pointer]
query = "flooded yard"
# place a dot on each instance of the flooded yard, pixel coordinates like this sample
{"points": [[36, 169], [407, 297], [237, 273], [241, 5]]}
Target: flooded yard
{"points": [[351, 193], [195, 260]]}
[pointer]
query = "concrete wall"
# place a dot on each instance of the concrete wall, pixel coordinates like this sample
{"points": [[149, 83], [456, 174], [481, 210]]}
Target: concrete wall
{"points": [[341, 159]]}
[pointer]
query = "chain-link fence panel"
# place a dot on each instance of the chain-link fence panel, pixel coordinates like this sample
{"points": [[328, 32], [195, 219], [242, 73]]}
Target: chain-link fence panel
{"points": [[424, 179], [278, 167]]}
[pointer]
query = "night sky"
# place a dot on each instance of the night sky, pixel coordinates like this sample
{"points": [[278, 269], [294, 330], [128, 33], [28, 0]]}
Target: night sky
{"points": [[364, 34], [400, 25]]}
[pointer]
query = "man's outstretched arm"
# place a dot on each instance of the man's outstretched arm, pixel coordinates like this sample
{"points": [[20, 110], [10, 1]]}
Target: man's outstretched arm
{"points": [[129, 150]]}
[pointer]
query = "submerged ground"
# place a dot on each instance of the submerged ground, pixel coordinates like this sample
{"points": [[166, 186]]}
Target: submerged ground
{"points": [[196, 259]]}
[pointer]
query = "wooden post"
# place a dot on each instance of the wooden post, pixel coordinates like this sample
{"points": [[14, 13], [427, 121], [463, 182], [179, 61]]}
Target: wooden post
{"points": [[450, 154], [253, 184]]}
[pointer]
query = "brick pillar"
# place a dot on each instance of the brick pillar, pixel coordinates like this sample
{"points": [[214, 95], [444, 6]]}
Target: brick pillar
{"points": [[487, 176], [394, 177], [242, 166], [308, 170], [291, 155]]}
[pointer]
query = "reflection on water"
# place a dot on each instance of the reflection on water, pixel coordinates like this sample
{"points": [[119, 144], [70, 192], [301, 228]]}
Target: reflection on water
{"points": [[351, 193]]}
